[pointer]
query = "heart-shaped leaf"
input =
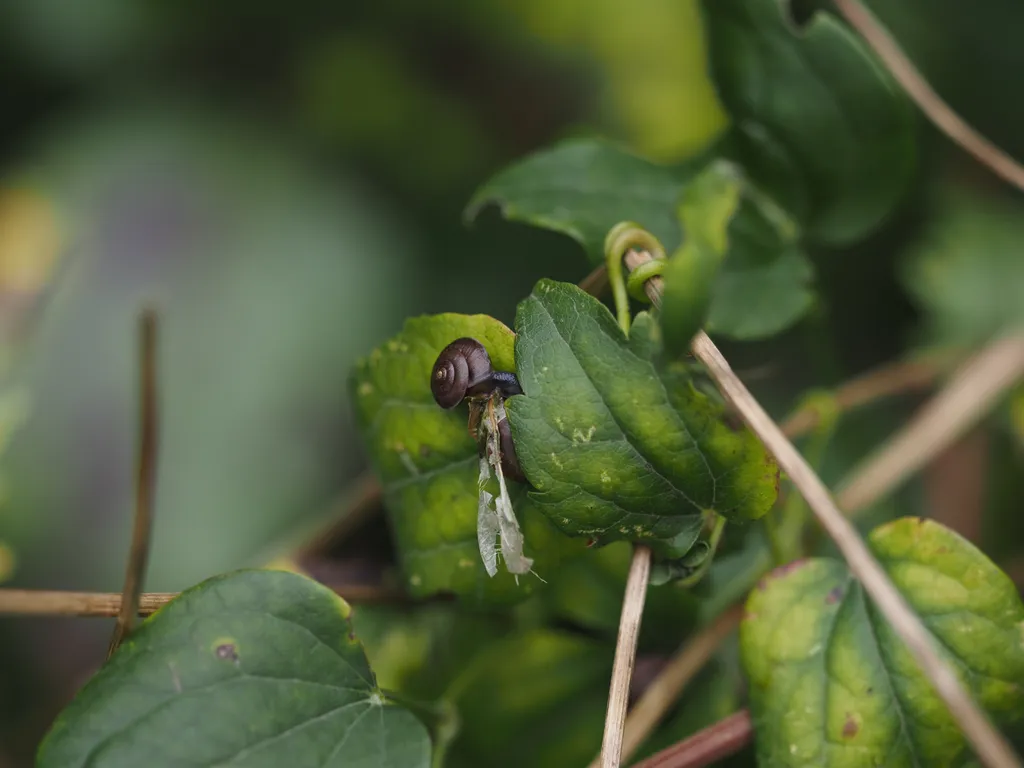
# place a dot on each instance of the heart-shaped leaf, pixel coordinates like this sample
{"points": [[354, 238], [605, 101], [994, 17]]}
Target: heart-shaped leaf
{"points": [[615, 446], [253, 668], [584, 187], [832, 684], [429, 465], [816, 120]]}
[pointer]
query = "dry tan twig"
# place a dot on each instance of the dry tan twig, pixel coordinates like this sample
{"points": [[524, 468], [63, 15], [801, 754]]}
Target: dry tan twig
{"points": [[726, 737], [145, 483], [919, 89], [970, 394], [41, 602], [625, 655], [987, 742]]}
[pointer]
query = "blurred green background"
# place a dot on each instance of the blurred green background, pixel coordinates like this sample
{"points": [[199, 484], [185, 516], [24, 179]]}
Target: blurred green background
{"points": [[284, 183]]}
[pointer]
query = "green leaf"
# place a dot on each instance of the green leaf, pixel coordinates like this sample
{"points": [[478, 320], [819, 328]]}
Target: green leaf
{"points": [[254, 668], [815, 120], [707, 207], [536, 698], [968, 274], [614, 446], [764, 285], [582, 188], [832, 684], [429, 467]]}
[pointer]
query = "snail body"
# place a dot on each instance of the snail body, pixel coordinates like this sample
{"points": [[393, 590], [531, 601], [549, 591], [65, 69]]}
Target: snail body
{"points": [[463, 370]]}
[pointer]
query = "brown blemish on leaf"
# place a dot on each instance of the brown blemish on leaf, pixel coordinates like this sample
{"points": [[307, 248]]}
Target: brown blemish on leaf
{"points": [[850, 727], [834, 595], [227, 652], [732, 420], [425, 451]]}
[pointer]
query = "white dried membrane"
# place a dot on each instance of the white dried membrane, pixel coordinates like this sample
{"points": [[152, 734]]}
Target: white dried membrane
{"points": [[495, 516]]}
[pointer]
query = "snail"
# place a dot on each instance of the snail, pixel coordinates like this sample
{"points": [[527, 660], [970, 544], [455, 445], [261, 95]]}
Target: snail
{"points": [[463, 370]]}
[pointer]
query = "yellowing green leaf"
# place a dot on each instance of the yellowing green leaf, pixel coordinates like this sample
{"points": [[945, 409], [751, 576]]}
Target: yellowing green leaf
{"points": [[832, 684], [429, 466]]}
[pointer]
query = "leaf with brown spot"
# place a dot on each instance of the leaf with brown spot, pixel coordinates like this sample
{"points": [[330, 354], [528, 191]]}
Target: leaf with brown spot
{"points": [[252, 668]]}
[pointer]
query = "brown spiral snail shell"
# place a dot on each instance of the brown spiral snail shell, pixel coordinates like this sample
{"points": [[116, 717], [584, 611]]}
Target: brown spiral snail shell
{"points": [[463, 369]]}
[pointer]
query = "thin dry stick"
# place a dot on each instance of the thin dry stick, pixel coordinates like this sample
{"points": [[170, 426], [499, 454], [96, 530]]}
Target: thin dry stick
{"points": [[625, 655], [987, 742], [969, 395], [665, 689], [726, 737], [41, 602], [937, 110], [144, 485]]}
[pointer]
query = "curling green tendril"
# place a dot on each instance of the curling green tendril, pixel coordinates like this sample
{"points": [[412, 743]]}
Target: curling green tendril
{"points": [[622, 238]]}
